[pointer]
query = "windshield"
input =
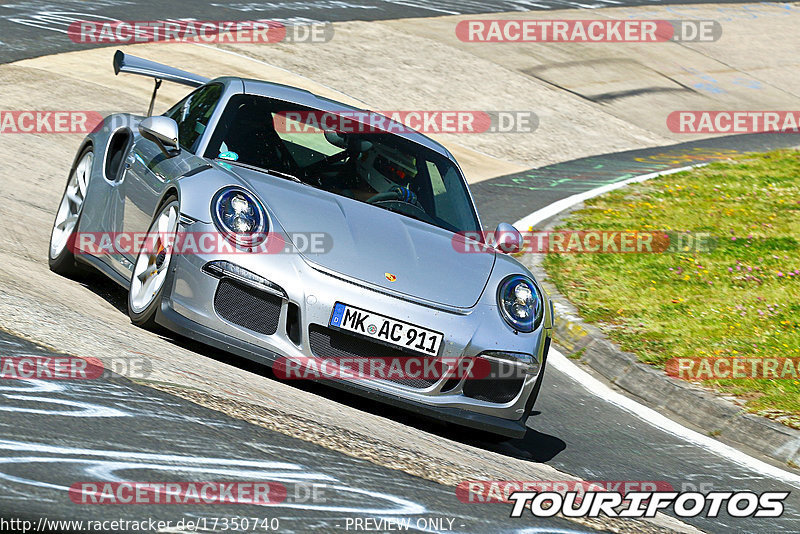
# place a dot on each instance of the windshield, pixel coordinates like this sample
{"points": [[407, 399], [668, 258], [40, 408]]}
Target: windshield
{"points": [[382, 169]]}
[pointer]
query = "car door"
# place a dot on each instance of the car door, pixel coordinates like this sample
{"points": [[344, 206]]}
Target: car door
{"points": [[149, 171]]}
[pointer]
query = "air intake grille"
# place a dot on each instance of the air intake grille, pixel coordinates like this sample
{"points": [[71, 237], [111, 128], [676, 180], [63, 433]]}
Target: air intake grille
{"points": [[247, 307], [489, 389], [499, 390], [329, 343]]}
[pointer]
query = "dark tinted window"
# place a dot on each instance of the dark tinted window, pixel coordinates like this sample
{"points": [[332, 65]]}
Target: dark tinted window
{"points": [[192, 114], [369, 166]]}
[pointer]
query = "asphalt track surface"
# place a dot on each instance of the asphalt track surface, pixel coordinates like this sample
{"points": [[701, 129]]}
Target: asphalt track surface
{"points": [[31, 28], [58, 432], [55, 433]]}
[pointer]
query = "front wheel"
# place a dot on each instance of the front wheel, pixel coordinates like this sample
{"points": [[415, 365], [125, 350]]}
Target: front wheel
{"points": [[152, 265], [61, 257]]}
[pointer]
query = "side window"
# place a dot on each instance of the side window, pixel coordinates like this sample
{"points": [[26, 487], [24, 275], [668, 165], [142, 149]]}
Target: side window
{"points": [[192, 114], [436, 180], [450, 198]]}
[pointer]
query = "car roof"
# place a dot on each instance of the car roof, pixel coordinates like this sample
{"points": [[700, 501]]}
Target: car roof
{"points": [[311, 100]]}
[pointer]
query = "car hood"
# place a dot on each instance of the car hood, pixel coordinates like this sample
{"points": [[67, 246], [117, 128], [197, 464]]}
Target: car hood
{"points": [[374, 245]]}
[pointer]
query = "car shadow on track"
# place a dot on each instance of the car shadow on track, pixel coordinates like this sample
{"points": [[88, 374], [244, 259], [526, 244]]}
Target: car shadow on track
{"points": [[535, 446], [105, 288]]}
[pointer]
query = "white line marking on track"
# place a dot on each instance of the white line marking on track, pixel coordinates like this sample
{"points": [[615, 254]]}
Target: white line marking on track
{"points": [[599, 389], [557, 207], [662, 422]]}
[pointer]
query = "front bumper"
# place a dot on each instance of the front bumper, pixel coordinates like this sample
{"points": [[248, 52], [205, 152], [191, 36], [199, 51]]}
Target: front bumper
{"points": [[188, 309]]}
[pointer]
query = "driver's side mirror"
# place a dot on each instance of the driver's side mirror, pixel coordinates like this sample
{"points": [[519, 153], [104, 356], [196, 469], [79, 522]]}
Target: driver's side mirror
{"points": [[163, 131], [508, 238]]}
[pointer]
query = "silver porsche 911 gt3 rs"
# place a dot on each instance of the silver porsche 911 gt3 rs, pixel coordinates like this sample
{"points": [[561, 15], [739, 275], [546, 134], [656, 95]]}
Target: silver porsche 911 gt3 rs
{"points": [[387, 281]]}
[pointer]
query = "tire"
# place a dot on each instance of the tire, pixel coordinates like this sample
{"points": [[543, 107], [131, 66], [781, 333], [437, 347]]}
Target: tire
{"points": [[61, 257], [151, 267]]}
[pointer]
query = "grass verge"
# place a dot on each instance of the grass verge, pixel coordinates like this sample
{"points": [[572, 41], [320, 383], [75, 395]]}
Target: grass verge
{"points": [[739, 300]]}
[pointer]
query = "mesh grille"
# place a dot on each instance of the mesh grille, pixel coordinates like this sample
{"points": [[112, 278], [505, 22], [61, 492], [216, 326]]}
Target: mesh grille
{"points": [[499, 390], [329, 343], [247, 307]]}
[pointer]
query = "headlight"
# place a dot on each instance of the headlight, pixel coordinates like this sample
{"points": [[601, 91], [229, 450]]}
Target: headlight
{"points": [[240, 216], [520, 302]]}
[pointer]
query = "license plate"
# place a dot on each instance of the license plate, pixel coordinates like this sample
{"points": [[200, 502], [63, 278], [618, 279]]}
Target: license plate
{"points": [[386, 329]]}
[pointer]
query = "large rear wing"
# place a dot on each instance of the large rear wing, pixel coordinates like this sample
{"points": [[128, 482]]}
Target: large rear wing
{"points": [[135, 65], [144, 67]]}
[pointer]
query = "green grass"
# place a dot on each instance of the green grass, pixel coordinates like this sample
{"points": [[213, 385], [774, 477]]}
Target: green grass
{"points": [[742, 299]]}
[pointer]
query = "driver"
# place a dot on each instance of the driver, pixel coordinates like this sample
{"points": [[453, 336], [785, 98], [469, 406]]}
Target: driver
{"points": [[386, 172]]}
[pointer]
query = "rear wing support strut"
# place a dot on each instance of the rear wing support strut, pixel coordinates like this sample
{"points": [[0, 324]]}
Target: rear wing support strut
{"points": [[153, 98]]}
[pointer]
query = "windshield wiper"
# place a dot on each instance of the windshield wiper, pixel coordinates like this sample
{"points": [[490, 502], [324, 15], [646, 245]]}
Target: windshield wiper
{"points": [[276, 172]]}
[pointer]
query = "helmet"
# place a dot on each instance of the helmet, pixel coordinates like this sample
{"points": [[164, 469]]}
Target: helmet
{"points": [[383, 167]]}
